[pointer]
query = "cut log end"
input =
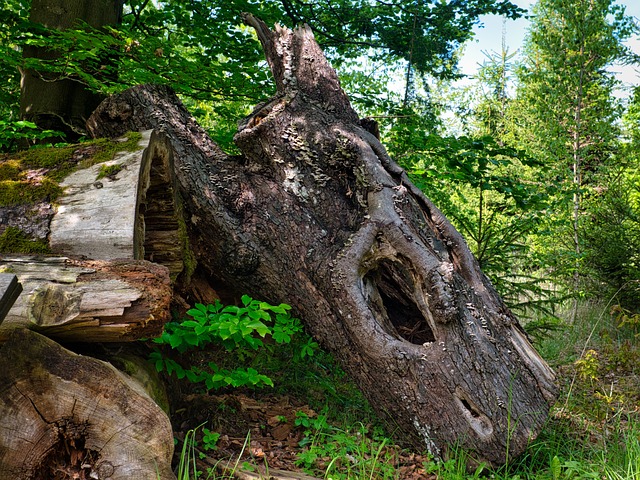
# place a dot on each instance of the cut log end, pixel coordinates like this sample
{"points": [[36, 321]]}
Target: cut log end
{"points": [[70, 416]]}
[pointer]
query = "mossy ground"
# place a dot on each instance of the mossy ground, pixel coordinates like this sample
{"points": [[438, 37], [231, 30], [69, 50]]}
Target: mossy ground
{"points": [[14, 240]]}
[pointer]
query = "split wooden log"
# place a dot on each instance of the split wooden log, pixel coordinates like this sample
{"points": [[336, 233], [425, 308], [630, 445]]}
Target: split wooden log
{"points": [[131, 213], [97, 217], [88, 300], [71, 416], [316, 214]]}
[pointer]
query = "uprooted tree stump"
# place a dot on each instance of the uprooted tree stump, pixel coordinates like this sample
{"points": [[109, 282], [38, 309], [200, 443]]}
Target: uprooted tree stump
{"points": [[70, 416], [316, 214]]}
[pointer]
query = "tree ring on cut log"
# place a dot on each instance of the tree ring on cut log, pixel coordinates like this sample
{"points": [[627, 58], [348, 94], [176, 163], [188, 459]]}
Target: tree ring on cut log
{"points": [[68, 416], [105, 470]]}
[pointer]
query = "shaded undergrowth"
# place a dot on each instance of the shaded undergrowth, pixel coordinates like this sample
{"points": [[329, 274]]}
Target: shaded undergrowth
{"points": [[593, 431]]}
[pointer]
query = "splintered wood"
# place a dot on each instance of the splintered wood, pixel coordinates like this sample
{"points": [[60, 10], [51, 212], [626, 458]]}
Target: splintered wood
{"points": [[88, 300]]}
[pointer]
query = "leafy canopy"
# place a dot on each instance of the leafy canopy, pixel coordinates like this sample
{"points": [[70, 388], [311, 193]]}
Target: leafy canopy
{"points": [[208, 56]]}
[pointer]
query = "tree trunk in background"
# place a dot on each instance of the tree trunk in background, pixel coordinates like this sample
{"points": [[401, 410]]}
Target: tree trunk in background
{"points": [[315, 214], [47, 99]]}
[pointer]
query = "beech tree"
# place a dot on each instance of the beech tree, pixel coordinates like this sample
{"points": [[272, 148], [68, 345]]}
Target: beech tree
{"points": [[51, 96]]}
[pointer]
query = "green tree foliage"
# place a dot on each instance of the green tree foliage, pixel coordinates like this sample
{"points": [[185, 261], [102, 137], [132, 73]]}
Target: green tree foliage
{"points": [[612, 230], [490, 191], [565, 113], [478, 185], [565, 90], [208, 56], [423, 32]]}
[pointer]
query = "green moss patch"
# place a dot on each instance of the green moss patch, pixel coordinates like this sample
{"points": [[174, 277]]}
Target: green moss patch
{"points": [[108, 148], [23, 191], [9, 169], [108, 171], [33, 175], [14, 240]]}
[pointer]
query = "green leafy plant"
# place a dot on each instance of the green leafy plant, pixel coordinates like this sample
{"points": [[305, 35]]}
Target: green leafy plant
{"points": [[588, 365], [625, 317], [358, 452], [241, 329], [209, 439], [456, 467], [187, 468], [13, 132]]}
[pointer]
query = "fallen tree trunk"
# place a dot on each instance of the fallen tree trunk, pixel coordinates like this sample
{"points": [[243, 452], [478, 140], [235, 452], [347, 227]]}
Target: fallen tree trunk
{"points": [[72, 416], [88, 300], [316, 214]]}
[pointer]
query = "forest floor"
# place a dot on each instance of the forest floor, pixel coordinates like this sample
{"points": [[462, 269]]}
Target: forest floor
{"points": [[261, 435], [315, 421]]}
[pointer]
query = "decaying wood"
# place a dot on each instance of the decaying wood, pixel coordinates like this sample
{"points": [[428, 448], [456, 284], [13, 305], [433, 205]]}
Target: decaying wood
{"points": [[130, 214], [88, 300], [97, 217], [316, 214], [158, 234], [71, 416], [271, 474]]}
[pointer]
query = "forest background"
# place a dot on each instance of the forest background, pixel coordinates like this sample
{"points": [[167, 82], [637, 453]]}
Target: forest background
{"points": [[535, 158]]}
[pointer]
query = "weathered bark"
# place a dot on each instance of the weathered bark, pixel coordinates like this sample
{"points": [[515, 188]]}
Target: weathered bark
{"points": [[316, 214], [88, 300], [70, 416], [49, 99]]}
